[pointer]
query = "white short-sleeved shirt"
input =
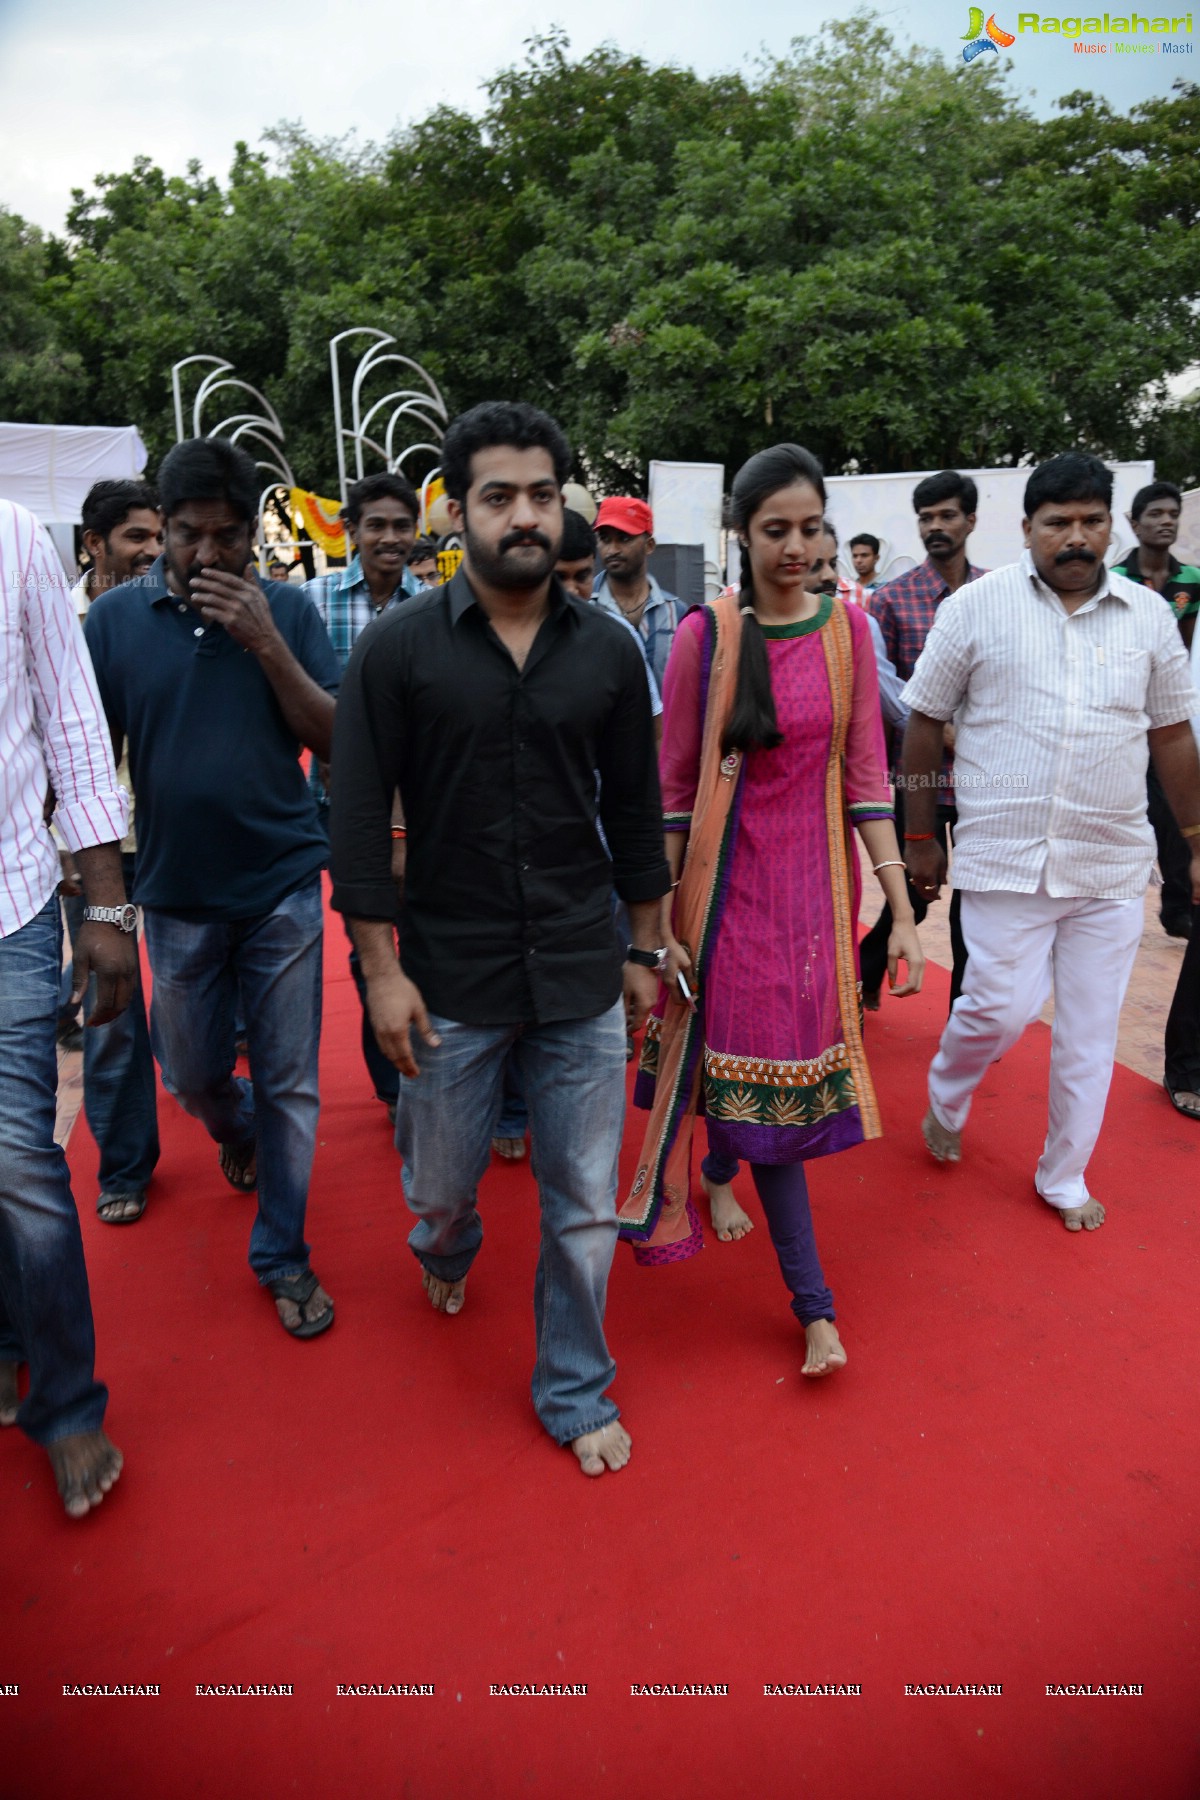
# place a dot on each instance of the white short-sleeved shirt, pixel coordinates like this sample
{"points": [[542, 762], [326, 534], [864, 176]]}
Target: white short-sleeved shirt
{"points": [[1051, 710]]}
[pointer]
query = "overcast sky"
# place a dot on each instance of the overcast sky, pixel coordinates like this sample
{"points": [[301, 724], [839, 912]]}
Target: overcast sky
{"points": [[86, 87]]}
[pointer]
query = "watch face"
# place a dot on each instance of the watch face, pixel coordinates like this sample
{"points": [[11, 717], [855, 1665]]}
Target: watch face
{"points": [[128, 918]]}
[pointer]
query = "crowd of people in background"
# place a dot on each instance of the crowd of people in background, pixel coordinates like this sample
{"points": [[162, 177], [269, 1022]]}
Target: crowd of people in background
{"points": [[557, 805]]}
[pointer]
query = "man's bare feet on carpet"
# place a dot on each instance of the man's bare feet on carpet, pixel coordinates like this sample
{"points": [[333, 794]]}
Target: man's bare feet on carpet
{"points": [[511, 1149], [1088, 1217], [729, 1221], [941, 1142], [608, 1448], [826, 1352], [85, 1465], [9, 1398], [444, 1296]]}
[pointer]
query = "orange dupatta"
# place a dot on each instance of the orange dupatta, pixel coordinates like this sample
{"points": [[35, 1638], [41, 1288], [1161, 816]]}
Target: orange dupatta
{"points": [[658, 1215]]}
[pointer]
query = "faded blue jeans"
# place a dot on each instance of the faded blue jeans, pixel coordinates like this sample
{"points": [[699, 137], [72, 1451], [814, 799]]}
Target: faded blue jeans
{"points": [[274, 960], [573, 1077], [120, 1090], [45, 1307]]}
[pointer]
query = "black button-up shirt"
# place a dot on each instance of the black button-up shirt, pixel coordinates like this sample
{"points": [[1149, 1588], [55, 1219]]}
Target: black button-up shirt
{"points": [[507, 909]]}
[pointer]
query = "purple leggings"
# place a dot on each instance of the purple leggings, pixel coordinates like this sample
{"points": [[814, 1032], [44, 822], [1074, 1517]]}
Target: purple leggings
{"points": [[784, 1195]]}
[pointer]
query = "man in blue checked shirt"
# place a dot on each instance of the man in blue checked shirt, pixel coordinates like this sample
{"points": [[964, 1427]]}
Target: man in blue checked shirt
{"points": [[380, 513]]}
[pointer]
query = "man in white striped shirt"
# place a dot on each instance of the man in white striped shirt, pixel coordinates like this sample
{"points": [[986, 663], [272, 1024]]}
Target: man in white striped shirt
{"points": [[1060, 677], [52, 736]]}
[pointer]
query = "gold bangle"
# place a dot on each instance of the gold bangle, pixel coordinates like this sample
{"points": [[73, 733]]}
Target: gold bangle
{"points": [[1189, 831]]}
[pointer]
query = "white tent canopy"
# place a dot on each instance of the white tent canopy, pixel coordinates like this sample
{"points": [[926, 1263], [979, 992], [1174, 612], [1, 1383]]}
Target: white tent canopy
{"points": [[49, 468]]}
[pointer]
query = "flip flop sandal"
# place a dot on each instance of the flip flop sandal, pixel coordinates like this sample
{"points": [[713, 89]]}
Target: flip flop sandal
{"points": [[236, 1161], [117, 1200], [1185, 1110], [299, 1289]]}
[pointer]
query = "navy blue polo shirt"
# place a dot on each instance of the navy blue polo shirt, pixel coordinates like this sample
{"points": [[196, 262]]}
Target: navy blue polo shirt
{"points": [[226, 824]]}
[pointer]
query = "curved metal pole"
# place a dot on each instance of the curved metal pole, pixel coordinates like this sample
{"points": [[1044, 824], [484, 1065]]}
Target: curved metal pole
{"points": [[339, 431], [411, 396], [282, 468], [211, 384], [392, 422], [432, 448], [177, 386]]}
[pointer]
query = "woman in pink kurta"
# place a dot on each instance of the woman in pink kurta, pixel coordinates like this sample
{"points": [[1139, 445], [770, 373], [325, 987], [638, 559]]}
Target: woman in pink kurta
{"points": [[781, 685]]}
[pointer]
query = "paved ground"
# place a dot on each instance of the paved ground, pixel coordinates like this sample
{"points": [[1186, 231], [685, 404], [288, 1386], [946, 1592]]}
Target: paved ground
{"points": [[1142, 1022]]}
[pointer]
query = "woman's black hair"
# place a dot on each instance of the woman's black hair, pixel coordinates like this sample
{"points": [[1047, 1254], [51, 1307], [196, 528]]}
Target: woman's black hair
{"points": [[753, 724]]}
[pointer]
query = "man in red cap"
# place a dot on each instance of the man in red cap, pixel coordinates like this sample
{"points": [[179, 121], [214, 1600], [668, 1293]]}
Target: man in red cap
{"points": [[625, 535]]}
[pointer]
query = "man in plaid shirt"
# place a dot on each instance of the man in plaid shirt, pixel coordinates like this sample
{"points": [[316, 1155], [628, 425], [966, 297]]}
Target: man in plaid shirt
{"points": [[905, 609], [380, 513]]}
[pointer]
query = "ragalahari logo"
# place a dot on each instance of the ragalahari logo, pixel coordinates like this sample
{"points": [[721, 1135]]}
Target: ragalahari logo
{"points": [[985, 37]]}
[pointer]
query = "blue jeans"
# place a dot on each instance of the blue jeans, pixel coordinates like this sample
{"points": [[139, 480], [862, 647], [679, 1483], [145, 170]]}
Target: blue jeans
{"points": [[45, 1307], [385, 1076], [514, 1114], [119, 1091], [573, 1077], [275, 962]]}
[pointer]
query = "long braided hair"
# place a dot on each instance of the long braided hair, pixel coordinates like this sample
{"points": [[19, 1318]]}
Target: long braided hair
{"points": [[753, 724]]}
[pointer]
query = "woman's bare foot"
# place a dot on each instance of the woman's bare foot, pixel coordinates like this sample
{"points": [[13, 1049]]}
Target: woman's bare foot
{"points": [[444, 1296], [728, 1219], [1184, 1101], [1088, 1217], [9, 1398], [511, 1149], [826, 1352], [940, 1141], [608, 1448], [85, 1465]]}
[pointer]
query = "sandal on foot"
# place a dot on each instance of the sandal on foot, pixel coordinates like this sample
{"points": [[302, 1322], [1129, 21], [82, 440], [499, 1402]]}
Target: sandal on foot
{"points": [[299, 1289], [122, 1199], [238, 1165], [1187, 1111]]}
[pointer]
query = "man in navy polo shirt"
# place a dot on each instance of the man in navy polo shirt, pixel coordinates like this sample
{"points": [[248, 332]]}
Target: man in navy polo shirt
{"points": [[217, 679]]}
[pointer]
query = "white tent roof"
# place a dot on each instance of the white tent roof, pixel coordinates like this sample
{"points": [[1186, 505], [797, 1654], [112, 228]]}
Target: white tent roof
{"points": [[49, 468]]}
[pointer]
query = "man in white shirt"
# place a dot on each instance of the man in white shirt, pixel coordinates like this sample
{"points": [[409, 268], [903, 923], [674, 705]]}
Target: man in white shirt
{"points": [[52, 735], [1059, 677]]}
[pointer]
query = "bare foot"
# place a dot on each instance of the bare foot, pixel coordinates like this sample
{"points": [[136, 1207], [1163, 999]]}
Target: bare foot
{"points": [[946, 1145], [308, 1317], [9, 1398], [85, 1465], [1088, 1217], [728, 1219], [826, 1352], [1185, 1102], [239, 1165], [511, 1149], [121, 1209], [444, 1296], [608, 1448]]}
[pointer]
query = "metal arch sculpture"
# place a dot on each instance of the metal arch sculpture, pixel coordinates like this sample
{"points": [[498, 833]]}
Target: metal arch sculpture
{"points": [[264, 427], [425, 406]]}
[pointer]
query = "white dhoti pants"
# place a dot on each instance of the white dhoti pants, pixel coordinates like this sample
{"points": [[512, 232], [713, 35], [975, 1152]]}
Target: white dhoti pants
{"points": [[1019, 945]]}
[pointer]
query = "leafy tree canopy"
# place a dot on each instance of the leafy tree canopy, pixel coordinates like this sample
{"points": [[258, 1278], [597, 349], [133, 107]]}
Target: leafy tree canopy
{"points": [[881, 256]]}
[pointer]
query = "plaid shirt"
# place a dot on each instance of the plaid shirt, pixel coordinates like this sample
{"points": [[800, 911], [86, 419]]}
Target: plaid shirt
{"points": [[906, 608], [657, 625], [344, 602]]}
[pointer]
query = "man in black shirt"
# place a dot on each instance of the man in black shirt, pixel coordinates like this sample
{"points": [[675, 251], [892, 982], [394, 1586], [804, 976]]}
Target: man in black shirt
{"points": [[512, 718]]}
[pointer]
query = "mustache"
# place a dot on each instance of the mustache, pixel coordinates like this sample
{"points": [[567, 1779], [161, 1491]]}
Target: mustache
{"points": [[516, 540], [1069, 556], [936, 537]]}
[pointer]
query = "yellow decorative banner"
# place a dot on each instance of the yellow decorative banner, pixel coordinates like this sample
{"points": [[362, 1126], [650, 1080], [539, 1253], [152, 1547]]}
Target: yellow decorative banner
{"points": [[321, 519]]}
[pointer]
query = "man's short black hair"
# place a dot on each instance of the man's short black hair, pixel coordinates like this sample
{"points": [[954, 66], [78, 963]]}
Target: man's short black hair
{"points": [[1072, 476], [109, 504], [210, 468], [947, 484], [1154, 490], [579, 540], [865, 537], [511, 422], [423, 548], [830, 529], [384, 486]]}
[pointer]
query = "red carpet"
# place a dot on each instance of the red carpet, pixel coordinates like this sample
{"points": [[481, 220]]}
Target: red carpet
{"points": [[1000, 1489]]}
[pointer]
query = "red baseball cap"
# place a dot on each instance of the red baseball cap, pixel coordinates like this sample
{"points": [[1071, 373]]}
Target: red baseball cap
{"points": [[623, 513]]}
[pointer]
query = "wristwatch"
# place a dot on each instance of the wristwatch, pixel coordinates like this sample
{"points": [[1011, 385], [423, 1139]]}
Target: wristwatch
{"points": [[647, 959], [123, 917]]}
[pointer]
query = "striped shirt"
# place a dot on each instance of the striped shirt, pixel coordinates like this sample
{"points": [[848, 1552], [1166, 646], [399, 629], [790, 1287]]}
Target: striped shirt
{"points": [[1051, 711], [52, 730]]}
